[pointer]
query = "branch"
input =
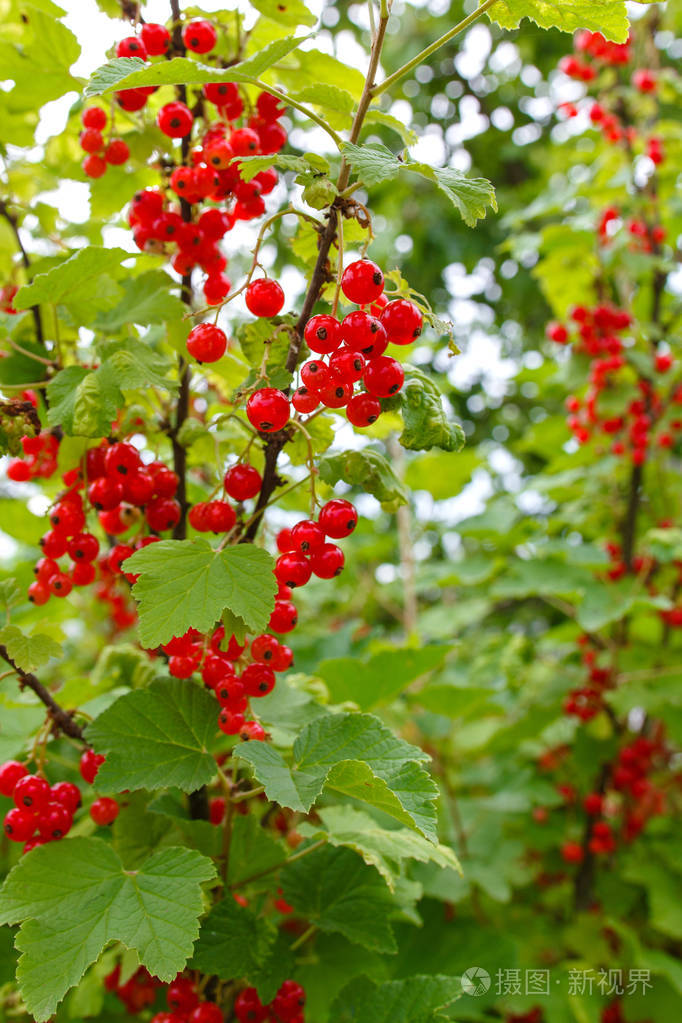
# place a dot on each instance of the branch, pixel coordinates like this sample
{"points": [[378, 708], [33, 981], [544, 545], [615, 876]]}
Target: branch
{"points": [[12, 221], [62, 718]]}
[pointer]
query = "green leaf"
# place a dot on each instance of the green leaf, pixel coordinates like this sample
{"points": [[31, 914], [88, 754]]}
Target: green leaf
{"points": [[157, 737], [133, 363], [130, 72], [380, 848], [18, 723], [386, 120], [470, 196], [82, 402], [354, 754], [415, 1000], [338, 103], [252, 849], [309, 163], [606, 16], [73, 898], [374, 163], [604, 603], [146, 299], [379, 680], [28, 651], [233, 941], [426, 424], [71, 280], [337, 891], [291, 13], [187, 584], [367, 470], [10, 594]]}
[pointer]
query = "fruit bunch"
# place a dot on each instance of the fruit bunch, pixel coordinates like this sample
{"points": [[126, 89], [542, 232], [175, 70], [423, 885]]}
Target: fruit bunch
{"points": [[186, 1005], [41, 812], [286, 1006], [137, 992], [101, 153], [39, 461]]}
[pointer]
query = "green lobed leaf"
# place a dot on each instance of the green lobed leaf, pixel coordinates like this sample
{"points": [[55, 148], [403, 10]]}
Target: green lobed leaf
{"points": [[233, 941], [130, 72], [470, 196], [253, 849], [355, 754], [380, 679], [157, 737], [386, 850], [28, 651], [426, 423], [368, 470], [73, 898], [291, 13], [133, 363], [83, 402], [374, 163], [18, 725], [387, 120], [146, 299], [187, 584], [249, 166], [414, 1000], [336, 890], [606, 16], [68, 281]]}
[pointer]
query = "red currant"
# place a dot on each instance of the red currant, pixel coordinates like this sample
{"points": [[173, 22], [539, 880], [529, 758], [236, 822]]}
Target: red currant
{"points": [[383, 377], [327, 562], [131, 46], [38, 594], [284, 617], [94, 117], [252, 730], [338, 518], [322, 334], [362, 282], [206, 1012], [348, 365], [67, 794], [216, 288], [304, 401], [258, 679], [268, 410], [292, 569], [199, 36], [229, 723], [94, 166], [10, 773], [206, 342], [264, 648], [307, 536], [162, 513], [19, 825], [60, 584], [90, 764], [364, 333], [91, 140], [156, 39], [31, 793], [242, 482], [363, 410], [175, 120], [402, 321], [104, 811], [117, 152], [83, 547], [54, 822], [264, 297]]}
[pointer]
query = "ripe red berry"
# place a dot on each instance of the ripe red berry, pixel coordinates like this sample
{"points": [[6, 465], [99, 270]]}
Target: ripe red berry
{"points": [[91, 140], [264, 648], [10, 773], [231, 694], [162, 513], [54, 822], [216, 288], [364, 333], [19, 825], [315, 375], [363, 410], [383, 377], [245, 142], [94, 166], [117, 152], [284, 617], [220, 517], [67, 518], [362, 281], [268, 410], [402, 321], [283, 658], [322, 334], [348, 365], [121, 458], [199, 36], [572, 852], [38, 593], [307, 536], [90, 764], [175, 120], [66, 793], [222, 94], [60, 584], [156, 39], [264, 297], [305, 401], [206, 342], [292, 569], [131, 46], [18, 471], [252, 730], [644, 80], [336, 394], [248, 1007], [229, 723], [131, 99], [206, 1012], [31, 793], [104, 811], [338, 518], [242, 482], [105, 493], [94, 117], [83, 547], [258, 679], [327, 562]]}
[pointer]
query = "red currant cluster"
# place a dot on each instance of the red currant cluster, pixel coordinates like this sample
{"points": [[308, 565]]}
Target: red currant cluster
{"points": [[186, 1006], [41, 812], [39, 461], [241, 482], [101, 153], [137, 993], [645, 237], [119, 485], [286, 1006], [597, 335], [7, 293], [305, 550], [601, 50]]}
